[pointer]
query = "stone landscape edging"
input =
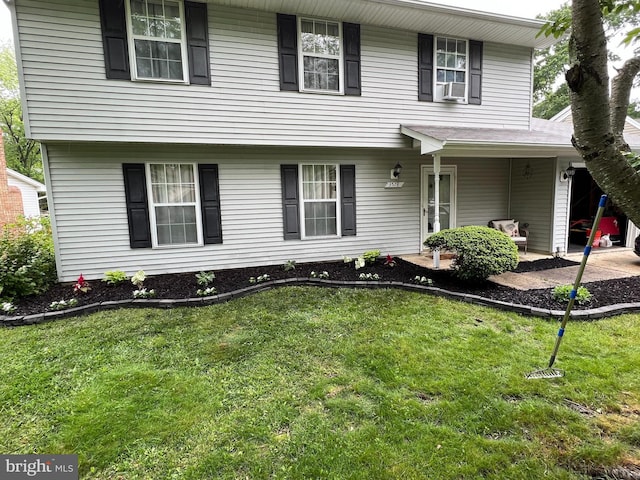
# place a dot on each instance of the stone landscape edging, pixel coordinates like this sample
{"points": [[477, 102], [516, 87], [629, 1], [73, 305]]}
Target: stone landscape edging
{"points": [[587, 314]]}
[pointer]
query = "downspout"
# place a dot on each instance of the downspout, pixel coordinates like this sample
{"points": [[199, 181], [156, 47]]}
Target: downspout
{"points": [[436, 205], [510, 187], [567, 228]]}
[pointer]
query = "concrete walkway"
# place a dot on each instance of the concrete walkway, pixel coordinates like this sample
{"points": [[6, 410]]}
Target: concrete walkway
{"points": [[605, 264]]}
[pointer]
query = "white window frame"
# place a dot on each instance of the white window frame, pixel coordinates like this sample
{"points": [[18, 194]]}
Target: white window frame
{"points": [[183, 47], [153, 205], [337, 200], [439, 86], [302, 54]]}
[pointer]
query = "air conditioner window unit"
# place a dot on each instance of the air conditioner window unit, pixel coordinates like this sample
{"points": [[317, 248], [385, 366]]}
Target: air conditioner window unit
{"points": [[453, 91]]}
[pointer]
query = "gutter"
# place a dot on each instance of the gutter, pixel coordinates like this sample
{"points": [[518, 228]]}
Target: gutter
{"points": [[465, 12]]}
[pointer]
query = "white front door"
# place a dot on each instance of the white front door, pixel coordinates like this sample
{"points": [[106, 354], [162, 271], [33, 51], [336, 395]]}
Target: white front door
{"points": [[447, 198]]}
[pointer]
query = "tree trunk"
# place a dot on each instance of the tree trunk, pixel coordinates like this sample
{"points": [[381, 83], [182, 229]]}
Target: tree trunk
{"points": [[598, 120]]}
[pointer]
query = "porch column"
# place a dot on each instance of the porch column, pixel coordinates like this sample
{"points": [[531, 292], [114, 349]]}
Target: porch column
{"points": [[436, 204]]}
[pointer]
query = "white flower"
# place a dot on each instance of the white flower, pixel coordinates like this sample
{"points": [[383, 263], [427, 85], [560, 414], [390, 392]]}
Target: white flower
{"points": [[8, 307], [139, 278]]}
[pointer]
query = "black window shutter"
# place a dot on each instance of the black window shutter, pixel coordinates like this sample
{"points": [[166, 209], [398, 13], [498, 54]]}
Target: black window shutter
{"points": [[351, 35], [288, 51], [114, 39], [475, 72], [135, 191], [425, 67], [197, 25], [290, 203], [210, 203], [348, 199]]}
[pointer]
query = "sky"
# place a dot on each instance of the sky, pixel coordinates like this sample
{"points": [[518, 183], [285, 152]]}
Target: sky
{"points": [[516, 8]]}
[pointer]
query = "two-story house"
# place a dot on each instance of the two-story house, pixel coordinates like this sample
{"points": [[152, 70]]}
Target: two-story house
{"points": [[182, 135]]}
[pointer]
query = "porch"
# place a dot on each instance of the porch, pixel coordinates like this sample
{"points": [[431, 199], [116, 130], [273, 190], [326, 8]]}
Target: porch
{"points": [[605, 264]]}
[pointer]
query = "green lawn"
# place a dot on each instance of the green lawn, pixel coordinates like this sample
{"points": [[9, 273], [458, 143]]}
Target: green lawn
{"points": [[323, 383]]}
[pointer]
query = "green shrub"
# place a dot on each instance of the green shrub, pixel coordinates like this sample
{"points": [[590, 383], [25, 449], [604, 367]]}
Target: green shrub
{"points": [[115, 277], [479, 251], [370, 256], [27, 259], [205, 278], [562, 293]]}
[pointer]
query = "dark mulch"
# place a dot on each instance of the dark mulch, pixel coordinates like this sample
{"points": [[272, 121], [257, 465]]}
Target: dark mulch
{"points": [[184, 285], [544, 264]]}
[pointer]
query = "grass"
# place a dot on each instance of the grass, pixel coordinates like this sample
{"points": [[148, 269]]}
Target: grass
{"points": [[315, 383]]}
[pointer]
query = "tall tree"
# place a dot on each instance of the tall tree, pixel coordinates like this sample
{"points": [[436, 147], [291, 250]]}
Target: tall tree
{"points": [[550, 94], [598, 110], [22, 154]]}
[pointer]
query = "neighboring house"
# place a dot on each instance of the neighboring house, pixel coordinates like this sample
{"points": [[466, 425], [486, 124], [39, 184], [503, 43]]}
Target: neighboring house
{"points": [[29, 190], [18, 193], [186, 136], [10, 196]]}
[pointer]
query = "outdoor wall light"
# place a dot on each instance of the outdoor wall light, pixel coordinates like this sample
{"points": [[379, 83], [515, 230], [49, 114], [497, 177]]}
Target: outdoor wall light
{"points": [[395, 173], [568, 173]]}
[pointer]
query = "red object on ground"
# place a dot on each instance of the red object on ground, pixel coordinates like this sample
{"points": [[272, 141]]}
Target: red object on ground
{"points": [[596, 239]]}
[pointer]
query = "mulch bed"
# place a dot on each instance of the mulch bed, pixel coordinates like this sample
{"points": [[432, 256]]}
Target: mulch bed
{"points": [[184, 285]]}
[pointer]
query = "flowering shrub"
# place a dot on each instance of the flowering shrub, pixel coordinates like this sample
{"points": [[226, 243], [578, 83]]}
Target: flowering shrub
{"points": [[63, 304], [369, 276], [206, 292], [359, 263], [139, 278], [27, 260], [81, 285], [114, 277], [144, 293], [422, 280], [323, 275], [260, 279], [370, 256], [7, 307]]}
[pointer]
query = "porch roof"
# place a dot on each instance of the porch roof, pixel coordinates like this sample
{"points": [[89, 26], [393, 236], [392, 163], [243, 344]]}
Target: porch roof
{"points": [[548, 140], [544, 139]]}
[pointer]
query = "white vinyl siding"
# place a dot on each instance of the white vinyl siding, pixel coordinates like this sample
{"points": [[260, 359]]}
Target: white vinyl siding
{"points": [[562, 207], [532, 196], [68, 97], [91, 220]]}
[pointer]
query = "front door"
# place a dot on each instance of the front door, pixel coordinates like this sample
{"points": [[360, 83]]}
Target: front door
{"points": [[447, 198]]}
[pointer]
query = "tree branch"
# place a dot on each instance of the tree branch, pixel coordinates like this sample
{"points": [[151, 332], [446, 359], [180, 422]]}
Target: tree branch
{"points": [[620, 93]]}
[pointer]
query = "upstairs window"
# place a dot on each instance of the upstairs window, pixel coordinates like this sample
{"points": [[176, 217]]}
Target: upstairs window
{"points": [[320, 55], [451, 68], [157, 40]]}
